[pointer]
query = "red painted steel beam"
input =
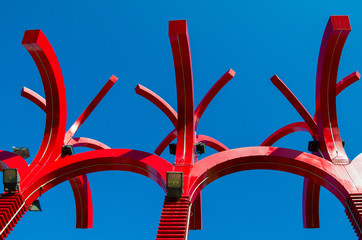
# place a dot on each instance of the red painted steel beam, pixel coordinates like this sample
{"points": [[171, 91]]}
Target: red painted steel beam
{"points": [[323, 172], [211, 142], [335, 35], [73, 129], [165, 142], [34, 97], [310, 203], [159, 102], [211, 94], [81, 188], [88, 143], [143, 163], [296, 103], [186, 136], [13, 160], [196, 214], [311, 191], [284, 131], [347, 81], [82, 193], [56, 111], [83, 201]]}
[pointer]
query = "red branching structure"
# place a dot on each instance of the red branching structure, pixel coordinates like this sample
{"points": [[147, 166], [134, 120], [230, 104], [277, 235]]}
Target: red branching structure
{"points": [[327, 166]]}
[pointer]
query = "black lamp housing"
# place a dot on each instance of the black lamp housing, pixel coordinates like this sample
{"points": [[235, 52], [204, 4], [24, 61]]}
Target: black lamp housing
{"points": [[313, 146], [174, 183], [22, 152], [67, 150], [11, 180], [35, 206], [172, 148], [200, 148]]}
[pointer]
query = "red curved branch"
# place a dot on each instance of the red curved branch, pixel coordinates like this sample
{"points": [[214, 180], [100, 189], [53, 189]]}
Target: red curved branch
{"points": [[81, 188], [13, 160], [165, 142], [211, 142], [34, 97], [323, 172], [296, 103], [83, 201], [347, 81], [56, 112], [147, 164], [344, 83], [159, 102], [186, 136], [335, 35], [87, 142], [74, 128], [80, 184], [282, 132], [311, 191], [211, 94]]}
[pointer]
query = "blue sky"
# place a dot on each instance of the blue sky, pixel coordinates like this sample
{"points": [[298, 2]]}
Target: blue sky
{"points": [[96, 39]]}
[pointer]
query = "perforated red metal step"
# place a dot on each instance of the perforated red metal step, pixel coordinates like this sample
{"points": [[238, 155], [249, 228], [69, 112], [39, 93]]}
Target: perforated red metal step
{"points": [[174, 219], [12, 208], [354, 213]]}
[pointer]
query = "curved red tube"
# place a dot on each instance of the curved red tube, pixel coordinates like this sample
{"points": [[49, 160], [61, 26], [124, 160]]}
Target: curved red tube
{"points": [[211, 94], [335, 35], [165, 142], [282, 132], [74, 128], [13, 160], [311, 191], [130, 160], [56, 111], [34, 97], [81, 188], [307, 165], [159, 102], [88, 143], [296, 103], [211, 142], [347, 81], [186, 135]]}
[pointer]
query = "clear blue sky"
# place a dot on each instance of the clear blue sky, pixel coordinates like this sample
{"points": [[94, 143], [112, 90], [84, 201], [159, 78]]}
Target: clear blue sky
{"points": [[96, 39]]}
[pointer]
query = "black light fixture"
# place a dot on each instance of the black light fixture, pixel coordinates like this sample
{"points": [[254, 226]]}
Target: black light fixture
{"points": [[35, 206], [22, 151], [172, 148], [200, 148], [313, 146], [11, 180], [67, 150], [174, 184]]}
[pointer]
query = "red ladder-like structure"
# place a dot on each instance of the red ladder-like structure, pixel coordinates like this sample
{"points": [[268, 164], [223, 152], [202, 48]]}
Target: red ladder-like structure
{"points": [[327, 166]]}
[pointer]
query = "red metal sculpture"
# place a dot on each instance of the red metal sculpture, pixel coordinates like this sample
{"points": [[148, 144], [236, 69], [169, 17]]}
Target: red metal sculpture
{"points": [[327, 166]]}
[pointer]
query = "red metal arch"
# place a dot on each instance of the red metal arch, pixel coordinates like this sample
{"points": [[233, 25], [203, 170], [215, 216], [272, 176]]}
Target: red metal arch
{"points": [[56, 111], [143, 163], [329, 167], [304, 164], [335, 35], [43, 54]]}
